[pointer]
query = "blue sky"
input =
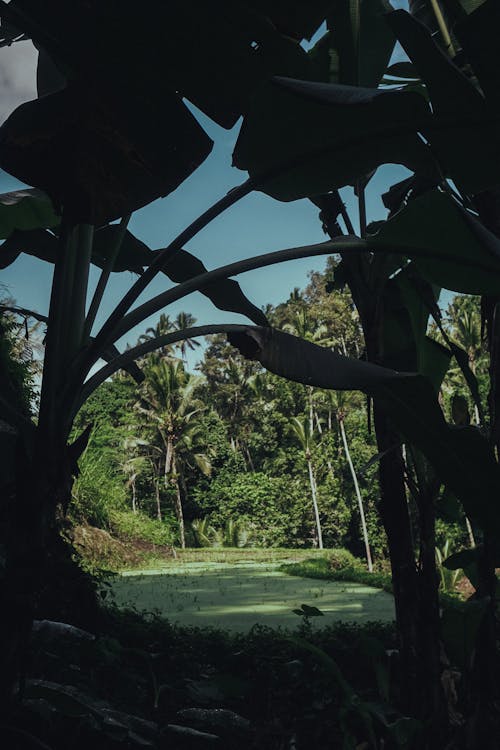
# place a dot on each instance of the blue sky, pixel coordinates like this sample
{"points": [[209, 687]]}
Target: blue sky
{"points": [[257, 224]]}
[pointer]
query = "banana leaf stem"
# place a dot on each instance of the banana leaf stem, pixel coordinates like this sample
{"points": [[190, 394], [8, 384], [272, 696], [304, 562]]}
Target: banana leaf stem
{"points": [[104, 277]]}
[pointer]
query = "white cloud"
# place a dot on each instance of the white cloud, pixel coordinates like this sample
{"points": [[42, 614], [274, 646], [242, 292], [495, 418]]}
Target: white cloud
{"points": [[17, 76]]}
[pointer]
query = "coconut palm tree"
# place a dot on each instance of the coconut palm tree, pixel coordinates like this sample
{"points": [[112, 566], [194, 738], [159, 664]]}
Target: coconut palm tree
{"points": [[163, 326], [302, 430], [169, 405], [340, 402], [133, 465], [185, 320]]}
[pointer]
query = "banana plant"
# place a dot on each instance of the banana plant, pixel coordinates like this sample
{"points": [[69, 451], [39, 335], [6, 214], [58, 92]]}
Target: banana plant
{"points": [[95, 149]]}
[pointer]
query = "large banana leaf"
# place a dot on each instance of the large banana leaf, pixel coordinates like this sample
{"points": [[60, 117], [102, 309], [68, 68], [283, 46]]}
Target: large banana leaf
{"points": [[134, 255], [357, 46], [300, 360], [437, 223], [478, 34], [455, 100], [25, 209], [100, 152], [294, 18], [214, 54], [308, 138]]}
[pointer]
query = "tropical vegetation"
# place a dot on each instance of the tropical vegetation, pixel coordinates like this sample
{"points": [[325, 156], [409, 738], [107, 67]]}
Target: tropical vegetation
{"points": [[109, 133]]}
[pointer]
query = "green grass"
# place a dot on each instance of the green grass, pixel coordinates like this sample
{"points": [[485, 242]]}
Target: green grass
{"points": [[237, 596], [354, 571], [233, 555]]}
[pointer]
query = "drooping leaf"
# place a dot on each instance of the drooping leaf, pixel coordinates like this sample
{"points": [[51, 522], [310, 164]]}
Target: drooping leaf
{"points": [[26, 209], [436, 223], [215, 55], [478, 34], [455, 100], [102, 152], [225, 294], [401, 192], [134, 255], [317, 137], [434, 361], [24, 311], [300, 360], [461, 457], [133, 370], [37, 242]]}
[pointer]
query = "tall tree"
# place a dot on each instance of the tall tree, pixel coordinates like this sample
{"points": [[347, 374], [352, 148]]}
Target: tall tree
{"points": [[301, 429], [169, 405]]}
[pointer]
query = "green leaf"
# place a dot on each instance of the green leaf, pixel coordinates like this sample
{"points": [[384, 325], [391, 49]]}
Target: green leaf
{"points": [[103, 152], [225, 294], [462, 457], [37, 242], [109, 354], [453, 98], [303, 362], [317, 137], [363, 39], [25, 209], [401, 192], [435, 222], [478, 34], [462, 559], [460, 410], [402, 70], [448, 507], [434, 361], [311, 611], [459, 628], [294, 17], [215, 55]]}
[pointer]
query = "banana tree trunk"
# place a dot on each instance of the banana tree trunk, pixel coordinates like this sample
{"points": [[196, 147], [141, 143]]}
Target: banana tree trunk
{"points": [[358, 495], [312, 482]]}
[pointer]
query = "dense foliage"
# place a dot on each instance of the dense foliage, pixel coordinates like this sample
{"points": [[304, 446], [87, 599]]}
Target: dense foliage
{"points": [[109, 133]]}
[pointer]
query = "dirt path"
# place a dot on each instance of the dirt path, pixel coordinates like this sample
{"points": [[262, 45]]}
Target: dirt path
{"points": [[235, 597]]}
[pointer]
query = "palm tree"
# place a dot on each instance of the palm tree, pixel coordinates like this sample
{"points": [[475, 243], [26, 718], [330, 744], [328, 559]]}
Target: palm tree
{"points": [[304, 433], [168, 404], [164, 326], [340, 401], [133, 466], [185, 320]]}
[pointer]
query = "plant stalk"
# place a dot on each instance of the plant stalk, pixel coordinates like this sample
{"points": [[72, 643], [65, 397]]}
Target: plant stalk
{"points": [[104, 277]]}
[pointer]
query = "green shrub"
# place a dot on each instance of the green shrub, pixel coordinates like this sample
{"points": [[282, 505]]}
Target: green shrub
{"points": [[353, 570], [95, 493], [128, 525], [273, 506], [339, 559]]}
